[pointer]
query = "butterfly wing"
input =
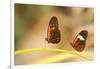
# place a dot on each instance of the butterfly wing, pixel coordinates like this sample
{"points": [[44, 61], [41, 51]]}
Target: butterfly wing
{"points": [[80, 41], [53, 33]]}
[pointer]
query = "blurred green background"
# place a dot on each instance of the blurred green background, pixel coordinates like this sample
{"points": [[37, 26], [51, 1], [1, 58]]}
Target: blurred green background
{"points": [[31, 24]]}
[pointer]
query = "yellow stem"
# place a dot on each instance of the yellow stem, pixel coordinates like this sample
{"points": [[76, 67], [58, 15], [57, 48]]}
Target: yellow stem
{"points": [[50, 50], [52, 59]]}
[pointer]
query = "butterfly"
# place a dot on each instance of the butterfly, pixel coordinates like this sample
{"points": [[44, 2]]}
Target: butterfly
{"points": [[80, 41], [53, 32]]}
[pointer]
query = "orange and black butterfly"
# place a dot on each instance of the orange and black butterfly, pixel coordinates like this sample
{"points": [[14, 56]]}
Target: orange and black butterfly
{"points": [[53, 33], [80, 41]]}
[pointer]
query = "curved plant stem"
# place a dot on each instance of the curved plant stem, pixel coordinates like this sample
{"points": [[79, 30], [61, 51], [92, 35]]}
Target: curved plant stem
{"points": [[52, 59], [50, 50]]}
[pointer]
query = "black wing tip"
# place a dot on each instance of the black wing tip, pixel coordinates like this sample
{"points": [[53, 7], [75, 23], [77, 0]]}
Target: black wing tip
{"points": [[54, 17], [84, 31]]}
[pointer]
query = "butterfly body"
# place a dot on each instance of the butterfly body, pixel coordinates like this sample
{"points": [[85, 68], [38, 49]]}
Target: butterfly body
{"points": [[53, 33], [80, 41]]}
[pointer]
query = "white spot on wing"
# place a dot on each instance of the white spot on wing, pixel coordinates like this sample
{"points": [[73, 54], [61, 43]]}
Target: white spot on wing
{"points": [[80, 37], [53, 28]]}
